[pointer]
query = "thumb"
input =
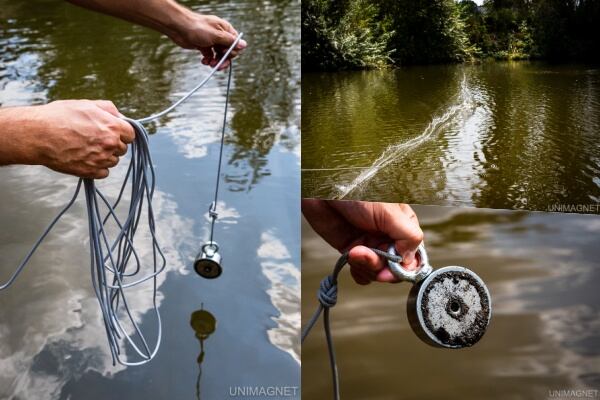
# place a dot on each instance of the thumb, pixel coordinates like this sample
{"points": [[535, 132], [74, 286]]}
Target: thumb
{"points": [[223, 38], [401, 225]]}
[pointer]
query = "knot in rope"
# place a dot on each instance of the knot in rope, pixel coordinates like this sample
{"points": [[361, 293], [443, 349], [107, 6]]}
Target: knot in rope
{"points": [[328, 292]]}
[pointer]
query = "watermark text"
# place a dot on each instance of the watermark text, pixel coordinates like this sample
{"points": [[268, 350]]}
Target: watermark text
{"points": [[257, 392]]}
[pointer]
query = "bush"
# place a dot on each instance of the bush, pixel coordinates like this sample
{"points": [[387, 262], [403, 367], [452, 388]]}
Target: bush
{"points": [[346, 35]]}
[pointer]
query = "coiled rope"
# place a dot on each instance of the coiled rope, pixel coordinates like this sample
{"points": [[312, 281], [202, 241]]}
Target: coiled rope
{"points": [[327, 296], [109, 259]]}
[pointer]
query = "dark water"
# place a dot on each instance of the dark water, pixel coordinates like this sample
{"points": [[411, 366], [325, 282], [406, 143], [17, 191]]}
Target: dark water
{"points": [[52, 344], [543, 272], [499, 135]]}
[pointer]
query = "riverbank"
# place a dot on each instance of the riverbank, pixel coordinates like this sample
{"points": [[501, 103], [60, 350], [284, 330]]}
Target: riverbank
{"points": [[368, 34]]}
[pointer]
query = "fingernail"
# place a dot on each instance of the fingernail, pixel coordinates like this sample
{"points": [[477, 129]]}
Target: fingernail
{"points": [[242, 44]]}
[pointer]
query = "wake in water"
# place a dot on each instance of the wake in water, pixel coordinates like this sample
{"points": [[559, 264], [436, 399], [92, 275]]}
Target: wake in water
{"points": [[462, 108]]}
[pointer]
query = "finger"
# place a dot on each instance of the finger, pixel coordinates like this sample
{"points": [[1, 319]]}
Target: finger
{"points": [[407, 209], [224, 65], [365, 272], [108, 162], [329, 224], [388, 218], [242, 44], [412, 236], [358, 277], [107, 106], [223, 38], [121, 149], [207, 54], [220, 51], [363, 257], [126, 131], [228, 27], [386, 275], [101, 174]]}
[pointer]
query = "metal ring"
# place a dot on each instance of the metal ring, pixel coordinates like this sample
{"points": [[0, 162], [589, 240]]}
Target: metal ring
{"points": [[212, 245], [415, 276]]}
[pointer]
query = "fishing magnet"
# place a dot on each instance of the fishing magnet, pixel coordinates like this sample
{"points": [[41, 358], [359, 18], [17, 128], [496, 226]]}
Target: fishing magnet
{"points": [[208, 261], [450, 308]]}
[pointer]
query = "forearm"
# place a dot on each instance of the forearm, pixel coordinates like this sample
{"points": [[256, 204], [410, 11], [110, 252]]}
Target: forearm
{"points": [[19, 133], [165, 16]]}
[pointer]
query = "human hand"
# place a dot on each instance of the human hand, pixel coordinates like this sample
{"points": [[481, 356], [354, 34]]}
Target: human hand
{"points": [[79, 137], [358, 225], [211, 35]]}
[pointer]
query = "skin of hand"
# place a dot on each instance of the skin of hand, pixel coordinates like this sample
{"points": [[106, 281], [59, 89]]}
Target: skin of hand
{"points": [[357, 225], [209, 34], [79, 137]]}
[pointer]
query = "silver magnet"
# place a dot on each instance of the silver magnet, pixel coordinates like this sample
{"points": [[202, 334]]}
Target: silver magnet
{"points": [[208, 261], [450, 308]]}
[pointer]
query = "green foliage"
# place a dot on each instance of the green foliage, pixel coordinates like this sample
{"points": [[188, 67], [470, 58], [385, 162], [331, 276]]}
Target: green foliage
{"points": [[499, 29], [520, 29], [373, 33], [343, 35], [427, 31]]}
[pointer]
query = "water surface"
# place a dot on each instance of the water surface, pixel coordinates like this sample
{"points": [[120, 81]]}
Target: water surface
{"points": [[52, 341], [543, 272], [498, 135]]}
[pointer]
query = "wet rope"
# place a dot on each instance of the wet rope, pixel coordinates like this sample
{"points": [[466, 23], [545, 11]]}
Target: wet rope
{"points": [[109, 260], [327, 296]]}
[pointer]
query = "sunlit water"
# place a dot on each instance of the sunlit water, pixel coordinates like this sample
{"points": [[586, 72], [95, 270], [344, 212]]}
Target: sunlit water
{"points": [[543, 272], [52, 342], [501, 135]]}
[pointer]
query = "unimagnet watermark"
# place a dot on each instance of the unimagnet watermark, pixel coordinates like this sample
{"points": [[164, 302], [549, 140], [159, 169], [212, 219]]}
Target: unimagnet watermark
{"points": [[263, 392], [592, 208], [574, 394]]}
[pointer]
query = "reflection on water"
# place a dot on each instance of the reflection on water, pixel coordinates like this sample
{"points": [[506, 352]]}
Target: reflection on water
{"points": [[542, 271], [501, 135], [52, 343], [204, 324]]}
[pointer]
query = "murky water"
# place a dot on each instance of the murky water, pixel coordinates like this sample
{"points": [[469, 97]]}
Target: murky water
{"points": [[52, 342], [543, 272], [498, 135]]}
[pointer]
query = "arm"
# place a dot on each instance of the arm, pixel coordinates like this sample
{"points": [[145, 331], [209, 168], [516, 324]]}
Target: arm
{"points": [[207, 33], [77, 137]]}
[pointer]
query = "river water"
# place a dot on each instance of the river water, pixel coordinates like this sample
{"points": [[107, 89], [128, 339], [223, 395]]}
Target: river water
{"points": [[500, 135], [543, 273], [52, 342]]}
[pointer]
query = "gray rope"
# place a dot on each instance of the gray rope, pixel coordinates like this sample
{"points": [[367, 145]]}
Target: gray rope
{"points": [[212, 211], [327, 296], [110, 259]]}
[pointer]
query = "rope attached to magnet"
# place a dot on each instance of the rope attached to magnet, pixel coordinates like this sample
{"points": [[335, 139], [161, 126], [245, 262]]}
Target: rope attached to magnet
{"points": [[327, 296], [212, 211], [110, 258]]}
